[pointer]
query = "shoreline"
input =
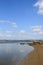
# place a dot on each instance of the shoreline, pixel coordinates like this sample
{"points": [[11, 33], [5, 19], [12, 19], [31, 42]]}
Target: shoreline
{"points": [[35, 57]]}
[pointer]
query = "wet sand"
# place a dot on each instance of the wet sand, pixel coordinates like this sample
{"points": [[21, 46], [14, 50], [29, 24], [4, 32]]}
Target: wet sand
{"points": [[35, 57]]}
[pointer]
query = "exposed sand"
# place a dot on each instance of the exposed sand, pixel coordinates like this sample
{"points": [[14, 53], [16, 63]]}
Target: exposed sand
{"points": [[35, 57]]}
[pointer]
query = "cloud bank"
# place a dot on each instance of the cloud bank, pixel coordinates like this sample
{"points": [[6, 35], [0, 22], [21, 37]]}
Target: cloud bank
{"points": [[39, 5]]}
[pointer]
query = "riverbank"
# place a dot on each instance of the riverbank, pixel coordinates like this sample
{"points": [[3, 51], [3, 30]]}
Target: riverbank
{"points": [[35, 57]]}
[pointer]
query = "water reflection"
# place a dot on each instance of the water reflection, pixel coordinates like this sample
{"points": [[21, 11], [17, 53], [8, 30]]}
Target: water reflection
{"points": [[12, 53]]}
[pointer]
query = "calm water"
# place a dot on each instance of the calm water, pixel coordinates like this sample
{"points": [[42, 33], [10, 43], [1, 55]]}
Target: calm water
{"points": [[13, 53]]}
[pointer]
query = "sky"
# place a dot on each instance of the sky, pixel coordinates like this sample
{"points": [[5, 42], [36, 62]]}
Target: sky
{"points": [[21, 19]]}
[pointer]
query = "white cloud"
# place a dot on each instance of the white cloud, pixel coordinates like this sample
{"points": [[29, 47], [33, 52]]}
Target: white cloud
{"points": [[41, 32], [8, 35], [14, 26], [0, 28], [13, 23], [1, 35], [2, 21], [22, 32], [7, 21], [36, 28], [8, 31], [22, 35], [5, 35], [39, 4]]}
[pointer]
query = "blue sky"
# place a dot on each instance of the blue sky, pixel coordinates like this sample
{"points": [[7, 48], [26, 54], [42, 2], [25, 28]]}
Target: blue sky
{"points": [[21, 19]]}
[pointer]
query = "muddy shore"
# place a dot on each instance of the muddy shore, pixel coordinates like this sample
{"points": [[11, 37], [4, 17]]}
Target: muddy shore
{"points": [[35, 57]]}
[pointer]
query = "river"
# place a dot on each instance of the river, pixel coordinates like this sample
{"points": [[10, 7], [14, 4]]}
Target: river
{"points": [[13, 53]]}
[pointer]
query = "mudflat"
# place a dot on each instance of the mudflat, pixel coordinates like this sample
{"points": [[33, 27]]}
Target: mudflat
{"points": [[35, 57]]}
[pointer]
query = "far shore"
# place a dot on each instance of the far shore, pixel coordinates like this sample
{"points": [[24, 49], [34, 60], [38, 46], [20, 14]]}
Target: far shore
{"points": [[35, 57]]}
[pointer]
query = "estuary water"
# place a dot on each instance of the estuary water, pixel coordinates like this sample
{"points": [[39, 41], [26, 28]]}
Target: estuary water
{"points": [[13, 53]]}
